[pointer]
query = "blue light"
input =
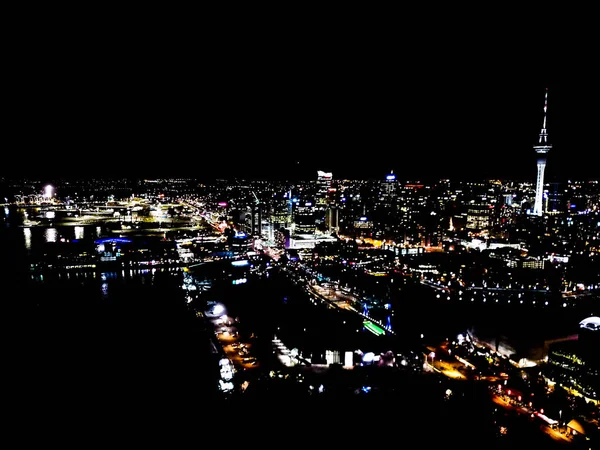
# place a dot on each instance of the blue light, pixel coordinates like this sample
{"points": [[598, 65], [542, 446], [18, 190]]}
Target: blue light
{"points": [[113, 240], [363, 219], [390, 177]]}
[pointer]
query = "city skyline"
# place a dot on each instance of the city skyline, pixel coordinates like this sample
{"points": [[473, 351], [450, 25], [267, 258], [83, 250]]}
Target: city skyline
{"points": [[199, 225], [416, 298]]}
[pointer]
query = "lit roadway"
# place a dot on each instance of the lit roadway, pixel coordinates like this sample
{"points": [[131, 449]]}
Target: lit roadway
{"points": [[525, 411], [237, 352], [439, 360], [334, 297]]}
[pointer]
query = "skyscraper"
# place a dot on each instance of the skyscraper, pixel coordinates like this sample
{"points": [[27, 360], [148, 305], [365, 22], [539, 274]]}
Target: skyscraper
{"points": [[541, 149], [323, 185], [389, 186]]}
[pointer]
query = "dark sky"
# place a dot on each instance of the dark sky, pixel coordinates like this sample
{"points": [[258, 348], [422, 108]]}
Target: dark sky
{"points": [[123, 105]]}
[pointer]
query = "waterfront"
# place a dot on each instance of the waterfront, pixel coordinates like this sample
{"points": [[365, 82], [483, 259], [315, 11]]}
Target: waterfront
{"points": [[416, 310], [127, 340], [98, 340]]}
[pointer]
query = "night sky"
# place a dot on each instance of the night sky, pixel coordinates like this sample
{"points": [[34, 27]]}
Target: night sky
{"points": [[132, 107]]}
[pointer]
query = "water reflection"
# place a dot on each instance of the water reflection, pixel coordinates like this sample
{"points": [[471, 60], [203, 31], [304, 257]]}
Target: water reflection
{"points": [[50, 234], [27, 234], [79, 232]]}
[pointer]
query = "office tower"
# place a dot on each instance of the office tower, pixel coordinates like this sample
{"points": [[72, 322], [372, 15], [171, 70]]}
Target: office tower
{"points": [[389, 186], [323, 185]]}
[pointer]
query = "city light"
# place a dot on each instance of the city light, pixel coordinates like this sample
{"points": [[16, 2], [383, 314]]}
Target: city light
{"points": [[444, 280], [48, 191]]}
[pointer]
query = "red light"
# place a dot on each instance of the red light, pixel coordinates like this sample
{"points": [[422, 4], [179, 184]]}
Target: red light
{"points": [[508, 392], [542, 411]]}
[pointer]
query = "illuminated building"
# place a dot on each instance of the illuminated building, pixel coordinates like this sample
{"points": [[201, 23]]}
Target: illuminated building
{"points": [[478, 215], [555, 200], [323, 185], [332, 218], [240, 242], [304, 218], [575, 363], [541, 149], [363, 226], [388, 189]]}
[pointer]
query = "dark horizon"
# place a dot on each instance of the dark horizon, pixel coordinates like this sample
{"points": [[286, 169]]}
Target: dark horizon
{"points": [[469, 133]]}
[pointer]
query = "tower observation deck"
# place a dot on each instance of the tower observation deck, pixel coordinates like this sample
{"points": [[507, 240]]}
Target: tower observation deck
{"points": [[542, 148]]}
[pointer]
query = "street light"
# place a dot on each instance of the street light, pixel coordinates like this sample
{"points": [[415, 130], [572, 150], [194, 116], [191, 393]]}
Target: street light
{"points": [[559, 419]]}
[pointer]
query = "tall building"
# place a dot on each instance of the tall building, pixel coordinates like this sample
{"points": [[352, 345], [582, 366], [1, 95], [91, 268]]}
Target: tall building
{"points": [[478, 214], [323, 185], [389, 186], [304, 218], [541, 149], [326, 202]]}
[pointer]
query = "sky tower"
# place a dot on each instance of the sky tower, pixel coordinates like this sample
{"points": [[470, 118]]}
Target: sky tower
{"points": [[541, 149]]}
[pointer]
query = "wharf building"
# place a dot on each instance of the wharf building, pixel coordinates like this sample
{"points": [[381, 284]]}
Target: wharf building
{"points": [[575, 363]]}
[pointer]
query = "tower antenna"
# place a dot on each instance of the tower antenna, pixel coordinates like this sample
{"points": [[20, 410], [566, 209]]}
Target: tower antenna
{"points": [[541, 149]]}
